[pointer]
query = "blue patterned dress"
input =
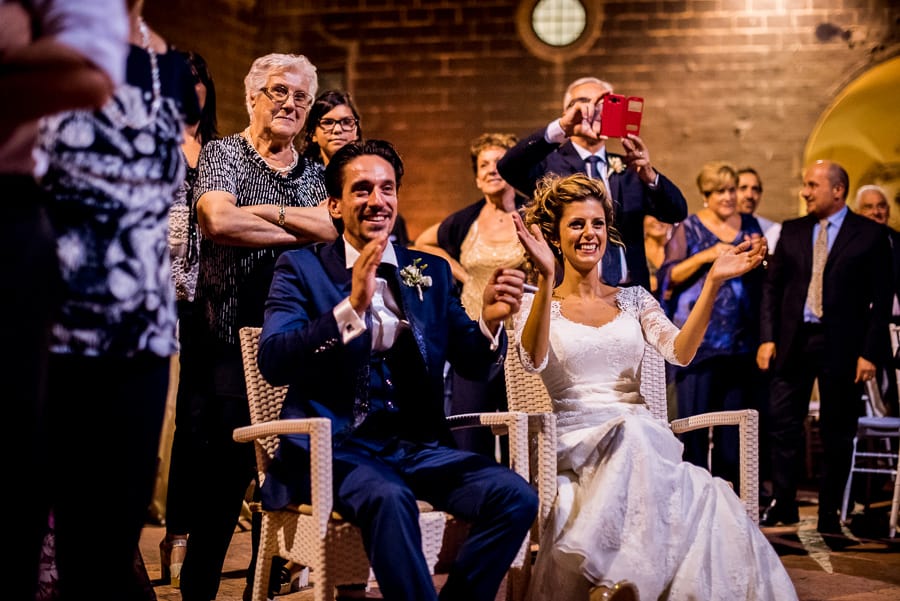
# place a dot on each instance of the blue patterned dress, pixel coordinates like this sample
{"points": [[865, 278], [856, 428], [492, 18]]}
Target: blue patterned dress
{"points": [[721, 375]]}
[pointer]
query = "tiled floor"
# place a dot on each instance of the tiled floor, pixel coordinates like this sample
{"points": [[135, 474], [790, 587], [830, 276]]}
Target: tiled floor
{"points": [[862, 565]]}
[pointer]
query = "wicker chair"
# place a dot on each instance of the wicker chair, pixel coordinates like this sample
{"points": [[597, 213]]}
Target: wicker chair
{"points": [[315, 536], [525, 392]]}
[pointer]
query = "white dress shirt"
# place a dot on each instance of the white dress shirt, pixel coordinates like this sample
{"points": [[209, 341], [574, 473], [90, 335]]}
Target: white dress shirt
{"points": [[387, 316]]}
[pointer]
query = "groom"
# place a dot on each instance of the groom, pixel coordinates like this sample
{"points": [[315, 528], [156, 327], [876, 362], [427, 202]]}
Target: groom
{"points": [[360, 329]]}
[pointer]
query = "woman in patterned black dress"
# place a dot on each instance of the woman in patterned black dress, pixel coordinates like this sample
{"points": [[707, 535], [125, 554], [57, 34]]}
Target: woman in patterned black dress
{"points": [[112, 175]]}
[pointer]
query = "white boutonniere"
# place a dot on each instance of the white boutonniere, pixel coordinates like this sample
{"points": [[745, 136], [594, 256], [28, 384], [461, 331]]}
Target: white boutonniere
{"points": [[412, 276], [615, 165]]}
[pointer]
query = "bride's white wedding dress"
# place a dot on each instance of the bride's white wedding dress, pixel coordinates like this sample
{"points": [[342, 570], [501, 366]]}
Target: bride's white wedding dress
{"points": [[628, 507]]}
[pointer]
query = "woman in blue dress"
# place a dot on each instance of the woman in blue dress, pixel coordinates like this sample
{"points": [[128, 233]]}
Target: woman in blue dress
{"points": [[720, 376]]}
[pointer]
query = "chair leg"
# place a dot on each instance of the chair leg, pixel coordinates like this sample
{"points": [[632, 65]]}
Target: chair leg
{"points": [[895, 503], [517, 582], [264, 554], [848, 486], [895, 507]]}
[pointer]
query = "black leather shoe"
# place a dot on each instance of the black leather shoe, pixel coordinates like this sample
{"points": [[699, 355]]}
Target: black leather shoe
{"points": [[829, 523], [775, 513]]}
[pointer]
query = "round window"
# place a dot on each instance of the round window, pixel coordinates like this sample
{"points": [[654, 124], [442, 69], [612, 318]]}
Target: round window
{"points": [[558, 30], [558, 22]]}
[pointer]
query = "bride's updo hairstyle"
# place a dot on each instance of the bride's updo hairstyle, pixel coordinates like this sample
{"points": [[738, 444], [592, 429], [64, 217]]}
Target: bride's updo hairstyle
{"points": [[552, 195]]}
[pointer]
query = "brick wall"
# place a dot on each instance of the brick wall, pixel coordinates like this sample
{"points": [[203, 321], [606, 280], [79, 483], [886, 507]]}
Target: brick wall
{"points": [[741, 80]]}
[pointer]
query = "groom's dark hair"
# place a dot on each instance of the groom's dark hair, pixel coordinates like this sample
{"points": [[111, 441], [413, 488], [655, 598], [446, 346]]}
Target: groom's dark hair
{"points": [[334, 172]]}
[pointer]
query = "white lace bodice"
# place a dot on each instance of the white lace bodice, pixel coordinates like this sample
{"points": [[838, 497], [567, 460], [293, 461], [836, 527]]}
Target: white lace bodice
{"points": [[589, 366]]}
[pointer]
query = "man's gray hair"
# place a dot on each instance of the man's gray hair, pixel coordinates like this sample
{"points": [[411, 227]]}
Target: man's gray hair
{"points": [[871, 188], [567, 98]]}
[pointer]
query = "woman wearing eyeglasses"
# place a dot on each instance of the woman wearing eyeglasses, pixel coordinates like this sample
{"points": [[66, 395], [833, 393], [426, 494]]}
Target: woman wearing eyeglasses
{"points": [[256, 197], [333, 122]]}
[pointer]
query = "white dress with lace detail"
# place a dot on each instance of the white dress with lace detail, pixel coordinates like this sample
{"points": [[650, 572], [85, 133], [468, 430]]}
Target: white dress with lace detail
{"points": [[628, 507]]}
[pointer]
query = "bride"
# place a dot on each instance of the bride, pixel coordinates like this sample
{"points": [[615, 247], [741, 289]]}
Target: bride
{"points": [[629, 510]]}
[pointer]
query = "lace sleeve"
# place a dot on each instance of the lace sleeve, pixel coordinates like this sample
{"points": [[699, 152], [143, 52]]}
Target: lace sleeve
{"points": [[520, 319], [659, 331]]}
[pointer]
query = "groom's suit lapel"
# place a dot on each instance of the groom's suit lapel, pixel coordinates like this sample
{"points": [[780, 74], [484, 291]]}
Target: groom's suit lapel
{"points": [[334, 263], [414, 310]]}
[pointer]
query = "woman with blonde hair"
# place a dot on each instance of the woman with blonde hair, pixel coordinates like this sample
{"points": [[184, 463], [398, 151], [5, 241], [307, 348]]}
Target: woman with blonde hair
{"points": [[720, 377]]}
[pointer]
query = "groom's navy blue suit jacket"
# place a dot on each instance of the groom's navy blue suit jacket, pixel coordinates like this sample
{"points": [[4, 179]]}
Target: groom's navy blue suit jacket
{"points": [[301, 347]]}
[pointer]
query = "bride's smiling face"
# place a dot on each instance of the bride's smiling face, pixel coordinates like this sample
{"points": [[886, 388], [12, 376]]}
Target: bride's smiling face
{"points": [[582, 233]]}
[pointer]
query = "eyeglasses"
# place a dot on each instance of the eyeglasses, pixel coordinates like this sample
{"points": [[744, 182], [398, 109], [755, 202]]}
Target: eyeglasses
{"points": [[279, 95], [347, 124]]}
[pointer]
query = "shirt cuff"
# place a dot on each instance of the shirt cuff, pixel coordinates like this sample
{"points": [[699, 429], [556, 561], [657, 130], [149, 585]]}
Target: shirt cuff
{"points": [[349, 323], [655, 184], [554, 133], [494, 338]]}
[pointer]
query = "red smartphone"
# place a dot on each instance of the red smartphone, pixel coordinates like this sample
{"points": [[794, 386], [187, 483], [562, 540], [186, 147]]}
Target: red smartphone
{"points": [[621, 115]]}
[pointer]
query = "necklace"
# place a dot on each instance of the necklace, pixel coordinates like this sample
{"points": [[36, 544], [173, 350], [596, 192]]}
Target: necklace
{"points": [[500, 215], [279, 170], [131, 116], [154, 70]]}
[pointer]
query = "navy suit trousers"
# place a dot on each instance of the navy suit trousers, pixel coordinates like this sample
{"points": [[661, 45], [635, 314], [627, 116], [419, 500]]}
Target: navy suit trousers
{"points": [[376, 487]]}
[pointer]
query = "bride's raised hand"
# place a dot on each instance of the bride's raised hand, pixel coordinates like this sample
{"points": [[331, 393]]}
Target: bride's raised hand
{"points": [[745, 256], [536, 246]]}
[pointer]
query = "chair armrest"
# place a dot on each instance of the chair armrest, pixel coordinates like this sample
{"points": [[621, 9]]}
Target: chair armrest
{"points": [[747, 421], [513, 424], [279, 426], [319, 431]]}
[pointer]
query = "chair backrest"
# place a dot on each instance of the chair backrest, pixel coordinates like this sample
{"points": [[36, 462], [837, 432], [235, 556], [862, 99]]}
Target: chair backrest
{"points": [[526, 392], [265, 399], [653, 383], [875, 406], [895, 345]]}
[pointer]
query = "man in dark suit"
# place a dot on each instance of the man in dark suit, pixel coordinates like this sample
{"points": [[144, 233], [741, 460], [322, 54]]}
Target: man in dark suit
{"points": [[364, 344], [872, 202], [573, 142], [823, 317]]}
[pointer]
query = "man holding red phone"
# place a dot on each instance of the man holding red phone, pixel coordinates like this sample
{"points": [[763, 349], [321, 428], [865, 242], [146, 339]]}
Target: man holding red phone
{"points": [[576, 143]]}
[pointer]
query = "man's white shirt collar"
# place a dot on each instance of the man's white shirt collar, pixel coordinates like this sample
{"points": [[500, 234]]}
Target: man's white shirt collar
{"points": [[351, 254]]}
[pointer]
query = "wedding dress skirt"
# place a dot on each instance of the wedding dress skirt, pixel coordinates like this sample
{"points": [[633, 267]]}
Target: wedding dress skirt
{"points": [[628, 507]]}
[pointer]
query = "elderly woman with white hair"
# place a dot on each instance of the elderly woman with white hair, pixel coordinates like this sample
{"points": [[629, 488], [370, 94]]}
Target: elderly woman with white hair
{"points": [[256, 197]]}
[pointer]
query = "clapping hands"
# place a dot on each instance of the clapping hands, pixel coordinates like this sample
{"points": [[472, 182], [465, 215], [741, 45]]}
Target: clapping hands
{"points": [[740, 259]]}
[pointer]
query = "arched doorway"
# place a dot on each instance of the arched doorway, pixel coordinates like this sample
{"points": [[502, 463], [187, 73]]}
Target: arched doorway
{"points": [[861, 131]]}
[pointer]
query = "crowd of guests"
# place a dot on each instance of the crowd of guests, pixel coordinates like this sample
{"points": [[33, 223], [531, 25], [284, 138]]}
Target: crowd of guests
{"points": [[149, 235]]}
